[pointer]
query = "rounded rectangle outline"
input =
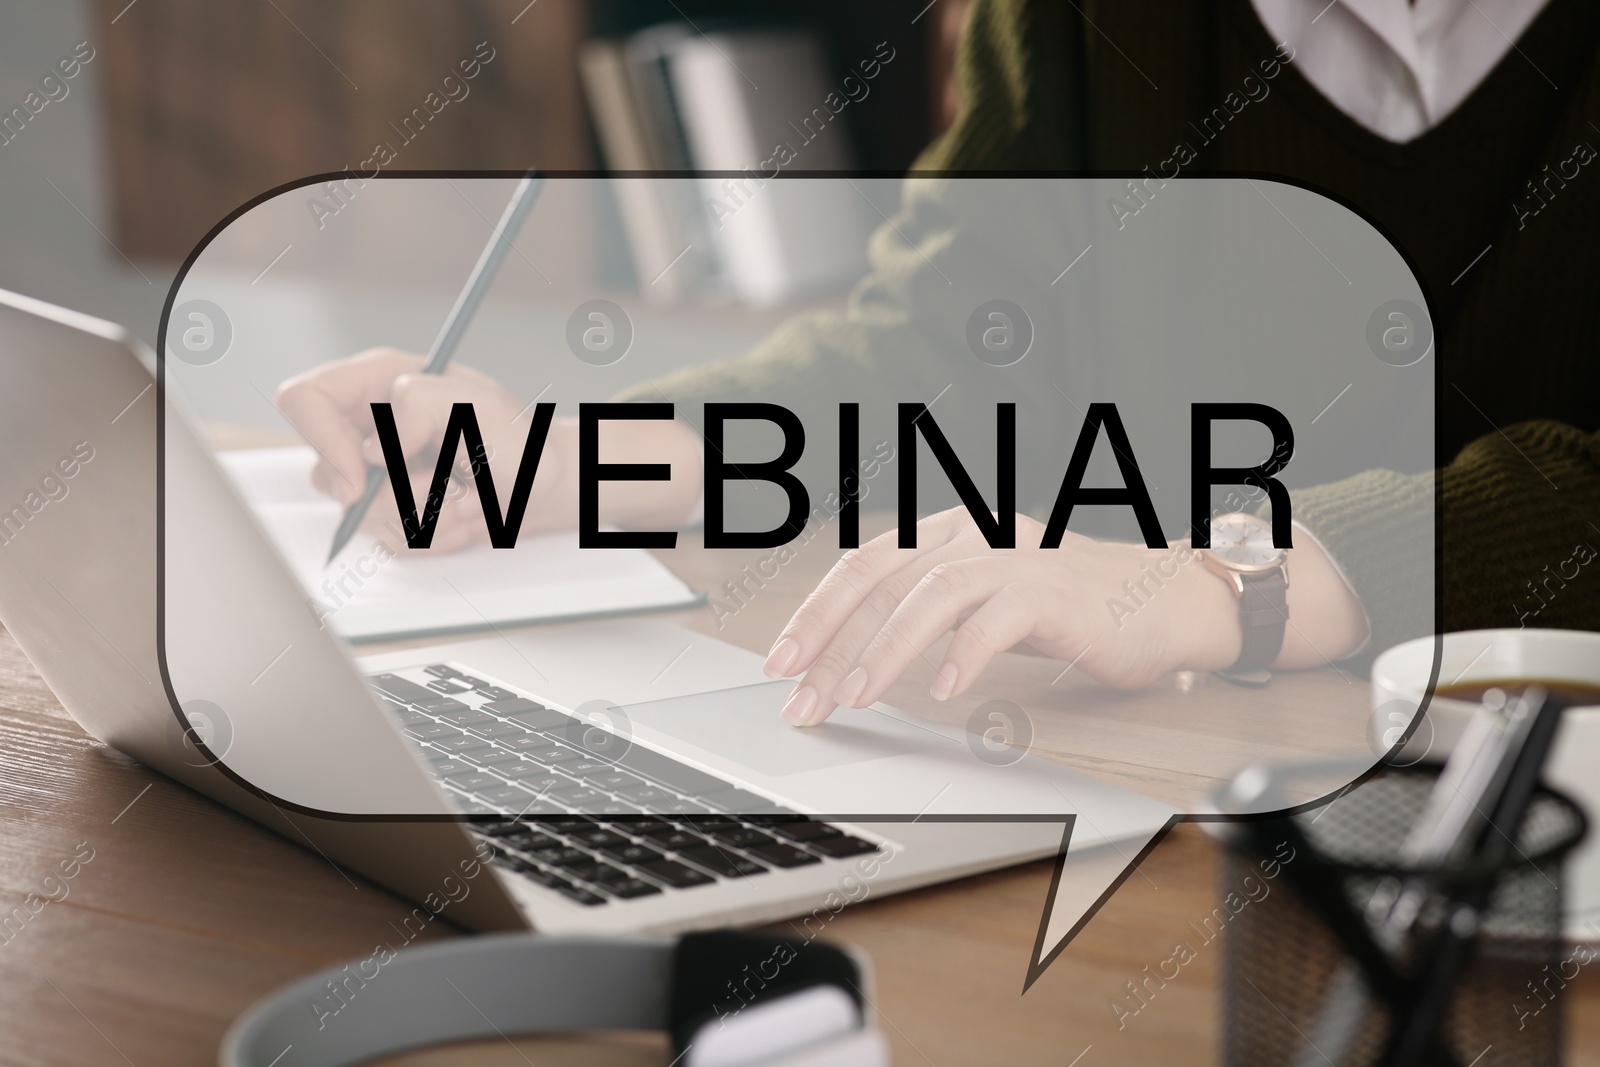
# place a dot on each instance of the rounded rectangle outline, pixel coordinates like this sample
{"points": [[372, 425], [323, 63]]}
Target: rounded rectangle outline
{"points": [[216, 762]]}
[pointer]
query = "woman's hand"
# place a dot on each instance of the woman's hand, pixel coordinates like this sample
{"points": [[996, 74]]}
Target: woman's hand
{"points": [[331, 407], [883, 607]]}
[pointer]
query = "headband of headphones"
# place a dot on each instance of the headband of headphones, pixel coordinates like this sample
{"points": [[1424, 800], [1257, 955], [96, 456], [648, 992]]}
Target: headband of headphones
{"points": [[728, 999]]}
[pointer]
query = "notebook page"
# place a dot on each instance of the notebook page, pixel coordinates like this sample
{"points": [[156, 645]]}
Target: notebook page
{"points": [[370, 594]]}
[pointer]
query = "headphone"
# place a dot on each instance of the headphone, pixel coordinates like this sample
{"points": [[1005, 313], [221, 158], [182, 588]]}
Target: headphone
{"points": [[728, 999]]}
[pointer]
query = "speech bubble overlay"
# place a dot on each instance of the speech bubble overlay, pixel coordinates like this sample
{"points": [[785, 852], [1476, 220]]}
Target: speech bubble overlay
{"points": [[1033, 320]]}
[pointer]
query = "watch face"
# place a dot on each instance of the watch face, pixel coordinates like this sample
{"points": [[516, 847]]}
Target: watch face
{"points": [[1245, 542]]}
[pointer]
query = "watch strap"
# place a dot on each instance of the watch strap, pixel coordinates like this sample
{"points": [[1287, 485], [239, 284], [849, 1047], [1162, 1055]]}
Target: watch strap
{"points": [[1263, 615]]}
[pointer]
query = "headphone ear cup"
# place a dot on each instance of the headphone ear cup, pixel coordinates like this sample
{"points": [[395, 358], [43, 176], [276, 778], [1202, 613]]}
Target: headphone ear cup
{"points": [[718, 974], [817, 1025]]}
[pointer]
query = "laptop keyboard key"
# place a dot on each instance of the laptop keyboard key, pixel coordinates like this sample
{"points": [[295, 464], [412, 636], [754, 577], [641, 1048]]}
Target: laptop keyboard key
{"points": [[633, 855], [612, 780], [781, 855], [566, 857], [599, 838], [402, 690], [495, 728], [474, 781], [528, 712], [718, 861], [525, 840], [841, 846], [577, 796], [582, 896], [675, 875], [540, 807], [533, 871], [779, 816], [493, 692], [804, 831], [603, 875], [680, 807], [631, 889], [461, 745], [736, 800], [647, 796], [612, 807], [445, 766], [742, 837], [541, 791], [506, 796], [540, 781], [539, 748], [499, 759], [554, 755], [466, 718], [585, 768], [583, 872], [679, 840], [428, 730], [441, 670]]}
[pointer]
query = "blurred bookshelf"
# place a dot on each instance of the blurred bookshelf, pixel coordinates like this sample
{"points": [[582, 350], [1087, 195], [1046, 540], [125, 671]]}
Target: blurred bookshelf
{"points": [[209, 104], [885, 137]]}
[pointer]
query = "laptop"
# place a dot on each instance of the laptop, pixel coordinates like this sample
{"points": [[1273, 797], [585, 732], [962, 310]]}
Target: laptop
{"points": [[618, 775]]}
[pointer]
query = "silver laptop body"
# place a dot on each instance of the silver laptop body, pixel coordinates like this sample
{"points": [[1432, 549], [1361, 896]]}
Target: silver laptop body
{"points": [[78, 591]]}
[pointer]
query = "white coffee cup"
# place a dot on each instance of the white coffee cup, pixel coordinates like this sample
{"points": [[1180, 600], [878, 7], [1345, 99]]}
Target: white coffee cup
{"points": [[1403, 675]]}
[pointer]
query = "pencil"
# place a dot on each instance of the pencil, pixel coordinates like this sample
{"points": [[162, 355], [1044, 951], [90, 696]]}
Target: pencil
{"points": [[455, 325]]}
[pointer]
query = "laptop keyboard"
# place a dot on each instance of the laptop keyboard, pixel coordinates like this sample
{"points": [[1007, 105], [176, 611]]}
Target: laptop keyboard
{"points": [[578, 817]]}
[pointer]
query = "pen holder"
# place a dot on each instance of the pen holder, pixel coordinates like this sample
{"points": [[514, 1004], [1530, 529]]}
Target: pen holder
{"points": [[1281, 956]]}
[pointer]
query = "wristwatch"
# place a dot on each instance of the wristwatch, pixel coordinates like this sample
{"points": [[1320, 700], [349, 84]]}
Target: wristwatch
{"points": [[1243, 554]]}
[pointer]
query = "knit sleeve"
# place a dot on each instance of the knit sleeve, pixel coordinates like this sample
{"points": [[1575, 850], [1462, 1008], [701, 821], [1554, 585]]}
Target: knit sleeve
{"points": [[1516, 516], [1019, 80]]}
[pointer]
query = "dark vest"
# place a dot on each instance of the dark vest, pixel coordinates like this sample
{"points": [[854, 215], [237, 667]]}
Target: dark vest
{"points": [[1497, 207]]}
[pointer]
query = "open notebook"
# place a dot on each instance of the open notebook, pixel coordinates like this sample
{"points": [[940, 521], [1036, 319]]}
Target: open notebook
{"points": [[364, 596]]}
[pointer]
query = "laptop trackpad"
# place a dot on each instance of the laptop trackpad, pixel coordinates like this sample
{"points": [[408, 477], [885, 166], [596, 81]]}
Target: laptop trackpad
{"points": [[744, 725]]}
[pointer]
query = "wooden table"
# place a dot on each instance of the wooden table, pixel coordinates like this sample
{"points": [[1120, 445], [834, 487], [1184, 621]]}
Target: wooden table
{"points": [[187, 913]]}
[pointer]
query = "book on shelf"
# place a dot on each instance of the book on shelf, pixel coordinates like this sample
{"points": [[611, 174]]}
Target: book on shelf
{"points": [[748, 105]]}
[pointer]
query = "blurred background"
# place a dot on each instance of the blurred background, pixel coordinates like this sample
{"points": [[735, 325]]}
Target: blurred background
{"points": [[177, 112]]}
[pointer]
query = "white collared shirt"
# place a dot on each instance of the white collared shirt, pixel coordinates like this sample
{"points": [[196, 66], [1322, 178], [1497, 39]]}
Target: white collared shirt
{"points": [[1397, 68]]}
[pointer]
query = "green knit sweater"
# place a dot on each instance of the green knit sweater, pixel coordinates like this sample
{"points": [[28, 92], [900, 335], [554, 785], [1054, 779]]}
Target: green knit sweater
{"points": [[1509, 269]]}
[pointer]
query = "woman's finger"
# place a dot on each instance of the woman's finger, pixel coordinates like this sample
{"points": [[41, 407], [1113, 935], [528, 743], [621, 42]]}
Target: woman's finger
{"points": [[947, 593], [1006, 619], [827, 681], [845, 589], [328, 407], [422, 404], [460, 523]]}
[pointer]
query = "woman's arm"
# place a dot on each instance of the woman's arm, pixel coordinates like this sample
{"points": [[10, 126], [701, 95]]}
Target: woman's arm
{"points": [[882, 608], [1518, 511], [1516, 515]]}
